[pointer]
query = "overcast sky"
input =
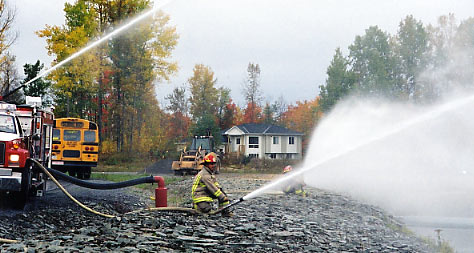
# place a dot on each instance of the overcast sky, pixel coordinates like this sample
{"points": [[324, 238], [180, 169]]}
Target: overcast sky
{"points": [[293, 41]]}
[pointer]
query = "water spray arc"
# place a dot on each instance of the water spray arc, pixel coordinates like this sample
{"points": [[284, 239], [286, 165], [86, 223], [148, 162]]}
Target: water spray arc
{"points": [[122, 28], [432, 114]]}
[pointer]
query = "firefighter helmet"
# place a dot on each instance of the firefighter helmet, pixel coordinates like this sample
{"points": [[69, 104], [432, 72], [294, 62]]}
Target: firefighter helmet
{"points": [[287, 169], [210, 158]]}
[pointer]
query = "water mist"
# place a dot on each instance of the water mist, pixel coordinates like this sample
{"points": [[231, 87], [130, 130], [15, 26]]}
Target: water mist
{"points": [[408, 159]]}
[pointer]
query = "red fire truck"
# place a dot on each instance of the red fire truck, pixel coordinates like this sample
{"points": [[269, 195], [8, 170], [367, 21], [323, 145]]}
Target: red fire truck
{"points": [[25, 132]]}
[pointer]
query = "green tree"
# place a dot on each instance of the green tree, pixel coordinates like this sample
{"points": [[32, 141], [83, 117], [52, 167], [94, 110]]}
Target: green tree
{"points": [[223, 99], [204, 95], [372, 62], [411, 51], [204, 124], [339, 82], [38, 88], [268, 114], [178, 101]]}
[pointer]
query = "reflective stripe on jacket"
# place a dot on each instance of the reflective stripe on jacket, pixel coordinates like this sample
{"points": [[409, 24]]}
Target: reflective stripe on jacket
{"points": [[206, 188]]}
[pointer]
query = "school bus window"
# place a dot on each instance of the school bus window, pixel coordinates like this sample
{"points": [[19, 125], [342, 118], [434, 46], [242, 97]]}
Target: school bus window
{"points": [[72, 124], [56, 135], [72, 135], [89, 136]]}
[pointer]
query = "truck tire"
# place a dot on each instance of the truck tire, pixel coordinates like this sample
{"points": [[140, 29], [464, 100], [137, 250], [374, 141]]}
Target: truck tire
{"points": [[20, 198]]}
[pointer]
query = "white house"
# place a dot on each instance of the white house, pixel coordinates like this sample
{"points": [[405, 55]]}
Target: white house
{"points": [[263, 141]]}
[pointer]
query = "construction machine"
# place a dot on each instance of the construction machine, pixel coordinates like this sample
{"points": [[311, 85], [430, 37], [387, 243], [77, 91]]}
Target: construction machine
{"points": [[190, 159]]}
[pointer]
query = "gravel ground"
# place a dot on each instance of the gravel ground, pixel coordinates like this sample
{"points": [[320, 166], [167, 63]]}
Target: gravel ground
{"points": [[322, 222]]}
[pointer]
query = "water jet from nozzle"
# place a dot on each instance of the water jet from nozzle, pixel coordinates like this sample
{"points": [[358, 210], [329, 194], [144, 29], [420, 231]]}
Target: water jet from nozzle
{"points": [[116, 31]]}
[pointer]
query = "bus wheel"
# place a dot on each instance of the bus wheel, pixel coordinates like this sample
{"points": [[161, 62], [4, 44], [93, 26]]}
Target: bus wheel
{"points": [[87, 173], [80, 173], [72, 172]]}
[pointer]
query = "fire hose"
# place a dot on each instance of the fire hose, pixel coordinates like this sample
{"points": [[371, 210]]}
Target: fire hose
{"points": [[107, 186], [104, 186]]}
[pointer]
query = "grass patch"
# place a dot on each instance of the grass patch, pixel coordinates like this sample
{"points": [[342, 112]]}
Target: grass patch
{"points": [[125, 177], [440, 246], [123, 167], [176, 197]]}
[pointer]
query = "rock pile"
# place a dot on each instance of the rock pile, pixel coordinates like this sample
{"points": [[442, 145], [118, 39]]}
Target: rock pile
{"points": [[322, 222]]}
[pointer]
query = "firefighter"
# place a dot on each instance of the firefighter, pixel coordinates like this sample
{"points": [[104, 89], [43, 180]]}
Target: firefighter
{"points": [[206, 188], [295, 186]]}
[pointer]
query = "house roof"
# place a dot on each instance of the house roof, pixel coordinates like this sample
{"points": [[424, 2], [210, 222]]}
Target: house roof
{"points": [[253, 128]]}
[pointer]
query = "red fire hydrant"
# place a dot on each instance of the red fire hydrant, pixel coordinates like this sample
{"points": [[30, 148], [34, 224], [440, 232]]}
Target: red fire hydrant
{"points": [[161, 198]]}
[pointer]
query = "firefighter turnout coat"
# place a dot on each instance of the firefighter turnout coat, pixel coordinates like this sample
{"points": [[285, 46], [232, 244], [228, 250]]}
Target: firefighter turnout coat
{"points": [[206, 188]]}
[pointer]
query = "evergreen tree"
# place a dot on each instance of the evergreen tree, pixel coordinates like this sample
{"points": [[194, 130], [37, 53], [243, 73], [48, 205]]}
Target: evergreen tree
{"points": [[339, 82], [38, 88]]}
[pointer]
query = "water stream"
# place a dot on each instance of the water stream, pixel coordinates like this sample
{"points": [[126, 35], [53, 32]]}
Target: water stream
{"points": [[104, 38]]}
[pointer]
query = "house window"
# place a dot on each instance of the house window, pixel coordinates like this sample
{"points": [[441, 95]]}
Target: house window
{"points": [[237, 141], [253, 142], [273, 156], [291, 140], [253, 155], [276, 139]]}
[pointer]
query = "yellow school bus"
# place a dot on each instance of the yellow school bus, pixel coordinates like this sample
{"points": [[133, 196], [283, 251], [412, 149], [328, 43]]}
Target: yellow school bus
{"points": [[75, 146]]}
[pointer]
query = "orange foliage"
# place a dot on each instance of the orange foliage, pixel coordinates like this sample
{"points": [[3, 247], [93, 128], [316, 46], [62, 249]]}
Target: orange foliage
{"points": [[178, 125], [302, 117], [252, 114]]}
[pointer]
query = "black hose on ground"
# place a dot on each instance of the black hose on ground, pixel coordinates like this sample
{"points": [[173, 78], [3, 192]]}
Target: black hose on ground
{"points": [[102, 186]]}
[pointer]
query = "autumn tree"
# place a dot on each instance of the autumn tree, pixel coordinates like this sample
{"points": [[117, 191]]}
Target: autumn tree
{"points": [[74, 84], [10, 84], [134, 62], [7, 35], [204, 94], [252, 113], [178, 106], [252, 93], [303, 117], [9, 79], [231, 115], [223, 99]]}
